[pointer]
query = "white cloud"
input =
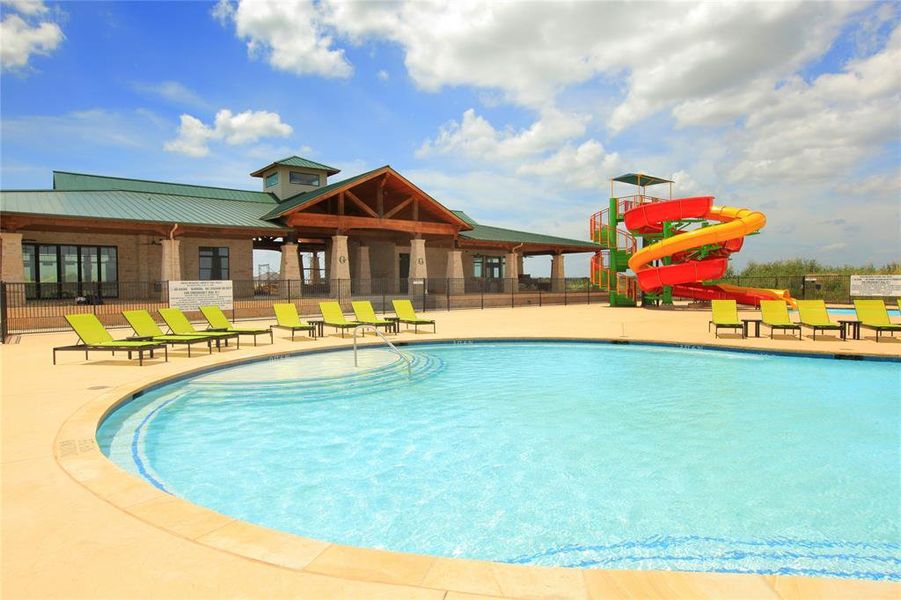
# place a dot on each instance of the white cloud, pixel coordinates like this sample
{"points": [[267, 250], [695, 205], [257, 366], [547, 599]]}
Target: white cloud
{"points": [[26, 7], [291, 36], [821, 129], [474, 137], [223, 11], [585, 166], [383, 75], [242, 128], [21, 38], [173, 91]]}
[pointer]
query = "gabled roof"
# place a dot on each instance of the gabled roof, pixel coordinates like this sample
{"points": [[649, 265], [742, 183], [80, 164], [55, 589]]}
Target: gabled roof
{"points": [[123, 205], [298, 202], [297, 161], [63, 180], [485, 233]]}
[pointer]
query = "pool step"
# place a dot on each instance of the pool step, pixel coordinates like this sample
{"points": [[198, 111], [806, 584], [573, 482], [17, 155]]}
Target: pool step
{"points": [[379, 379]]}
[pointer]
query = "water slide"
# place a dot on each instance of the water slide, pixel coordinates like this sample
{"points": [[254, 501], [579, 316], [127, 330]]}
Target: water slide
{"points": [[697, 255]]}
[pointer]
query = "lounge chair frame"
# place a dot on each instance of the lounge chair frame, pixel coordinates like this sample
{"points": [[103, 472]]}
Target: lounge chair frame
{"points": [[733, 326], [415, 322], [386, 324], [338, 326], [310, 329], [890, 327], [82, 347], [217, 336], [232, 329], [880, 329], [172, 340]]}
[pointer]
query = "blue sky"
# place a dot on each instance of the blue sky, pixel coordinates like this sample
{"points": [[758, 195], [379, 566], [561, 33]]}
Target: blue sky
{"points": [[518, 113]]}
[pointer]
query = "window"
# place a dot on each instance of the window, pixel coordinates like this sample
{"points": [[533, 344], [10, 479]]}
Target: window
{"points": [[213, 263], [272, 179], [303, 178], [489, 267], [68, 271]]}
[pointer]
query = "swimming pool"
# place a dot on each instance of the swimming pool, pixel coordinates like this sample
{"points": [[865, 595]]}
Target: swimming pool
{"points": [[545, 453]]}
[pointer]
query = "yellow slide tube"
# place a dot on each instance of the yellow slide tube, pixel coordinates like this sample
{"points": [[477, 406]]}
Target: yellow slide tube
{"points": [[736, 223]]}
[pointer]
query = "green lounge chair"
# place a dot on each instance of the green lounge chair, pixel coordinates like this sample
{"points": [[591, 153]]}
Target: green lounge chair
{"points": [[406, 315], [814, 315], [725, 316], [179, 325], [145, 327], [333, 316], [873, 315], [218, 322], [364, 313], [774, 314], [287, 318], [92, 335]]}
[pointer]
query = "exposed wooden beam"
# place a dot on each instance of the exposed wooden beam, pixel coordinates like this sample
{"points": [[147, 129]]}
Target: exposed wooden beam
{"points": [[346, 222], [341, 203], [399, 208], [362, 205], [416, 209], [380, 197]]}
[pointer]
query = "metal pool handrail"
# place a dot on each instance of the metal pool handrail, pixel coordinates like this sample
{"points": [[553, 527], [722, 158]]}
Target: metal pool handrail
{"points": [[384, 339]]}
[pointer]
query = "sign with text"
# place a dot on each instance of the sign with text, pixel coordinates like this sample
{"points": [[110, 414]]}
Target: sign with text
{"points": [[876, 285], [190, 295]]}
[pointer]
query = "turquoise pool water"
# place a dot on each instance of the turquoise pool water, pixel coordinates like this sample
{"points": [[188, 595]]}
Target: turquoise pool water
{"points": [[568, 454]]}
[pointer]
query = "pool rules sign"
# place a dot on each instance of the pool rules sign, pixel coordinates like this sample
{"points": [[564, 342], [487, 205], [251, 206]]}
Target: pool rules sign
{"points": [[190, 295], [876, 285]]}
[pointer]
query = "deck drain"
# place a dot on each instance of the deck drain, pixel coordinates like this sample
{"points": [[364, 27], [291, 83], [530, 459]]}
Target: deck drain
{"points": [[98, 387]]}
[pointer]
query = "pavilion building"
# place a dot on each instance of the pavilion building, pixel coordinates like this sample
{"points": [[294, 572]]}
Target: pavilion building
{"points": [[374, 227]]}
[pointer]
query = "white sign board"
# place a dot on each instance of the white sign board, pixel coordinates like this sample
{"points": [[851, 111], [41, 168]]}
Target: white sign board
{"points": [[190, 295], [876, 285]]}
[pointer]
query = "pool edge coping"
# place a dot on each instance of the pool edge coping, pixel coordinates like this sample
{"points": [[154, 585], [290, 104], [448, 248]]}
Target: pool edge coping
{"points": [[78, 453]]}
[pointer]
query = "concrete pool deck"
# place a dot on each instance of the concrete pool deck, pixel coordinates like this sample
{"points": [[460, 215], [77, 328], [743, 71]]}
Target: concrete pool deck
{"points": [[75, 525]]}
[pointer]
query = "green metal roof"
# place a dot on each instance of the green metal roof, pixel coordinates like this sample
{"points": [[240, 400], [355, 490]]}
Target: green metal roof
{"points": [[640, 179], [297, 161], [139, 206], [84, 182], [303, 198], [485, 233]]}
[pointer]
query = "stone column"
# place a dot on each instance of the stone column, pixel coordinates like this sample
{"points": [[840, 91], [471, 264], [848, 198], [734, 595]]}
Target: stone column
{"points": [[339, 267], [314, 268], [364, 273], [289, 271], [171, 266], [455, 281], [12, 269], [419, 271], [511, 276], [557, 273]]}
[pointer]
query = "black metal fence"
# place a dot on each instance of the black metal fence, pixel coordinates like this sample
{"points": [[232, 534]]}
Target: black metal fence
{"points": [[831, 288], [31, 307]]}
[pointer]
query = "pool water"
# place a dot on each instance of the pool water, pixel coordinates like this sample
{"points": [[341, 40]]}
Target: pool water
{"points": [[545, 453]]}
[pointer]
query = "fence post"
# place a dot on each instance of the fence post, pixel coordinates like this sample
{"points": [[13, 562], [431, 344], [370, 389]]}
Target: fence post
{"points": [[539, 296], [425, 286], [4, 313], [482, 288], [233, 299], [447, 286], [564, 292]]}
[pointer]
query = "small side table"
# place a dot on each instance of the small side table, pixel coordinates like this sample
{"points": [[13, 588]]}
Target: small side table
{"points": [[396, 323], [851, 324], [746, 327], [319, 324]]}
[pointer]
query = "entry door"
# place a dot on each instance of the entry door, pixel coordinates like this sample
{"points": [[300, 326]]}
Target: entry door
{"points": [[404, 271]]}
